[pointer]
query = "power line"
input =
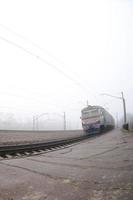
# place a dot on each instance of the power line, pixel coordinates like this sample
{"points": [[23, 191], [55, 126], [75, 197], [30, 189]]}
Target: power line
{"points": [[29, 98], [34, 44], [42, 49], [28, 40], [31, 42], [45, 61]]}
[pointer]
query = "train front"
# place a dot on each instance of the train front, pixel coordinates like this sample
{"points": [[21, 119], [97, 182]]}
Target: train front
{"points": [[91, 119]]}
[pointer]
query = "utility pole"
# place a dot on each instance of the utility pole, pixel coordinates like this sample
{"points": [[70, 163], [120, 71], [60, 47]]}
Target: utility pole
{"points": [[64, 123], [36, 121], [87, 103], [123, 102], [117, 120], [33, 122], [124, 108]]}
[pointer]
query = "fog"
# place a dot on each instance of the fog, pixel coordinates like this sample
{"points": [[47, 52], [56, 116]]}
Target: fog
{"points": [[57, 55]]}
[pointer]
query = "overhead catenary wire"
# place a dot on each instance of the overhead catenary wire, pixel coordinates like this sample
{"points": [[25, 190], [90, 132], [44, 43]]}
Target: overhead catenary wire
{"points": [[28, 40], [37, 46], [42, 49], [31, 99], [45, 61]]}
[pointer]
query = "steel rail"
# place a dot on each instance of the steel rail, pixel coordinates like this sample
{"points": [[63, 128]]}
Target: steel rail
{"points": [[29, 148]]}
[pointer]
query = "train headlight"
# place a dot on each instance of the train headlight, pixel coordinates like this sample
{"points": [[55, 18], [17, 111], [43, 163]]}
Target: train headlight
{"points": [[98, 121]]}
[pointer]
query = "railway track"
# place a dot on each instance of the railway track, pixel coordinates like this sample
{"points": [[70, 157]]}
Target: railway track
{"points": [[11, 151]]}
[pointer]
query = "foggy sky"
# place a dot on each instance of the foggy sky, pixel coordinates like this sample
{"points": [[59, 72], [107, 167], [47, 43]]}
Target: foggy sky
{"points": [[89, 41]]}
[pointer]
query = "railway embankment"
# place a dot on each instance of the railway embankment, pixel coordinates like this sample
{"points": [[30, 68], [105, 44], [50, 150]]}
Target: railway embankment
{"points": [[14, 137]]}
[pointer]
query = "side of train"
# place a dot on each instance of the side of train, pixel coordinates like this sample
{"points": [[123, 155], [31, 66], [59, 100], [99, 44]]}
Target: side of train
{"points": [[96, 118]]}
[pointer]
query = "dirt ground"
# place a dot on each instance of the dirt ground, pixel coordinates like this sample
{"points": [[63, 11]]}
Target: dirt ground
{"points": [[99, 168]]}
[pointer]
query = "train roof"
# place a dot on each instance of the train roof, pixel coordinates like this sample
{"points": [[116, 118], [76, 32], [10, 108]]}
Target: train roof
{"points": [[89, 107]]}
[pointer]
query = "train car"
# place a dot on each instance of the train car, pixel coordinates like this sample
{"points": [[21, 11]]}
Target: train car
{"points": [[96, 118]]}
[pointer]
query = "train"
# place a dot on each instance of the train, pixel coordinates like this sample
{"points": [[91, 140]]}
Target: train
{"points": [[97, 119]]}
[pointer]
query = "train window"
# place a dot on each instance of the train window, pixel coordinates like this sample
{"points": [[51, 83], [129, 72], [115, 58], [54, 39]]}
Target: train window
{"points": [[91, 113]]}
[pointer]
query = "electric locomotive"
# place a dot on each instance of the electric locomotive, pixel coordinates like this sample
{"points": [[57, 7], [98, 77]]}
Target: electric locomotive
{"points": [[96, 118]]}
